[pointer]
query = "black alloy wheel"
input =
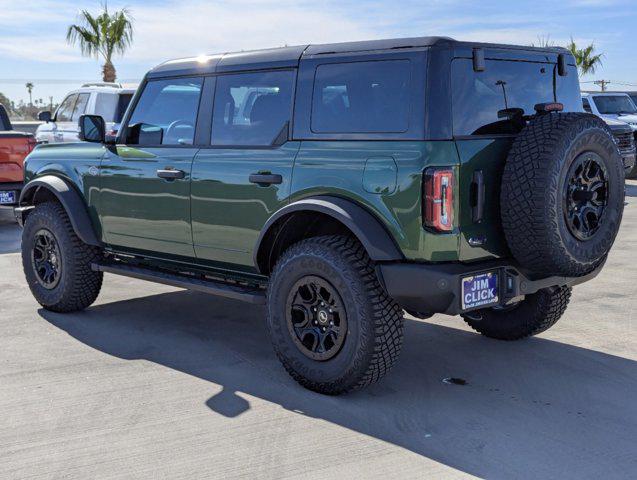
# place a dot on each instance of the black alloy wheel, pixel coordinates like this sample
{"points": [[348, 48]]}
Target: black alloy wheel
{"points": [[316, 318], [46, 259], [585, 195]]}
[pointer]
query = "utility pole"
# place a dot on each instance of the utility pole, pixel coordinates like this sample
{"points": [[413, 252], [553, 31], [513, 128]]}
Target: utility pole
{"points": [[602, 84]]}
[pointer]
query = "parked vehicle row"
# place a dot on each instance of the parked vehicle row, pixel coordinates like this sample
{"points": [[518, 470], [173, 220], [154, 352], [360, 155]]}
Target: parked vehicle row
{"points": [[339, 185], [14, 147], [620, 113], [108, 100]]}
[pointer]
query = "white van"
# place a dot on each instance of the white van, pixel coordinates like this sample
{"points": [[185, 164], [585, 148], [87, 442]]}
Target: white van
{"points": [[108, 100]]}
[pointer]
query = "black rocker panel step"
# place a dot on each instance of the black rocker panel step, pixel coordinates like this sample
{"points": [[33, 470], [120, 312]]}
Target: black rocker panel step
{"points": [[214, 287]]}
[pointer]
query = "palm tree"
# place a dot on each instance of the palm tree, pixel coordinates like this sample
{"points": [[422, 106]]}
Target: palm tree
{"points": [[29, 86], [103, 35], [586, 59]]}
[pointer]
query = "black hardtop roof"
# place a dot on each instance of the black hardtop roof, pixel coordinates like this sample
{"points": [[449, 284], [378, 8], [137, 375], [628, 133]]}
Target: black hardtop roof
{"points": [[286, 57]]}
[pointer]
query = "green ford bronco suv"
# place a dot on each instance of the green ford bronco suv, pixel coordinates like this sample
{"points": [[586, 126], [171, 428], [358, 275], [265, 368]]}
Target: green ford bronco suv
{"points": [[338, 185]]}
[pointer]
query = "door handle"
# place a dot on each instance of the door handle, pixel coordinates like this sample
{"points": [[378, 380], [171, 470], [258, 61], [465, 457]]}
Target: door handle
{"points": [[265, 179], [171, 174]]}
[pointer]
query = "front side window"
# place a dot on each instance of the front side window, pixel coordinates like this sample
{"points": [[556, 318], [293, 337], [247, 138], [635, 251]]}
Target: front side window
{"points": [[166, 113], [252, 108], [80, 106], [361, 97], [614, 104], [65, 110]]}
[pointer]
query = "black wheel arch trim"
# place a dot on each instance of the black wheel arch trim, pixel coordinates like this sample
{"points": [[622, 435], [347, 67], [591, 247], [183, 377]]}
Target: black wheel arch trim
{"points": [[367, 228], [70, 199]]}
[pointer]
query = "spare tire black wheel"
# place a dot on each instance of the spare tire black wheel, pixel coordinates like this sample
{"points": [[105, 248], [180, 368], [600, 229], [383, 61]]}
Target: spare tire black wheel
{"points": [[562, 195]]}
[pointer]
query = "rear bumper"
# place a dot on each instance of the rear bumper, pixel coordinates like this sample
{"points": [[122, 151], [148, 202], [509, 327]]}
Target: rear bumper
{"points": [[15, 187], [436, 288]]}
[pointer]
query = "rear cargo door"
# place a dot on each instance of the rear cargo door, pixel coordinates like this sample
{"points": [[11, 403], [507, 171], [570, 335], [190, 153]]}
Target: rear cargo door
{"points": [[484, 127]]}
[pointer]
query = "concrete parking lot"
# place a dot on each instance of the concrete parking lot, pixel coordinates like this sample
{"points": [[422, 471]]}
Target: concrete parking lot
{"points": [[155, 382]]}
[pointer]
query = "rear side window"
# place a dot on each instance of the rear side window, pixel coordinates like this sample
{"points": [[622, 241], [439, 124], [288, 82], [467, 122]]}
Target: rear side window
{"points": [[65, 111], [481, 98], [112, 106], [166, 113], [252, 108], [80, 106], [361, 97]]}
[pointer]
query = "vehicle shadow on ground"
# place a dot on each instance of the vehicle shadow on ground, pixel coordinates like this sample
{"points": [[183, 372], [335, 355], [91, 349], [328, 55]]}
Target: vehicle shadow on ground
{"points": [[10, 232], [631, 190], [535, 408]]}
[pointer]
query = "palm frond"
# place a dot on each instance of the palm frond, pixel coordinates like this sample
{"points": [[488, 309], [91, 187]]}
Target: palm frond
{"points": [[102, 34]]}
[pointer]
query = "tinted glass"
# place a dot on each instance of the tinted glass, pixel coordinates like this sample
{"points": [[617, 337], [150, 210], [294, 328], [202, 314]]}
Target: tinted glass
{"points": [[633, 97], [586, 105], [112, 106], [480, 98], [614, 104], [80, 106], [65, 110], [251, 108], [361, 97], [168, 108]]}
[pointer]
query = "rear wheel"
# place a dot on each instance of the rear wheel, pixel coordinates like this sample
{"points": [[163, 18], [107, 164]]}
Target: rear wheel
{"points": [[57, 264], [332, 325], [533, 315]]}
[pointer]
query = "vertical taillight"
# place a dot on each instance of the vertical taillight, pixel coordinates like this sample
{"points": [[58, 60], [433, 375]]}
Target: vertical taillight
{"points": [[438, 199]]}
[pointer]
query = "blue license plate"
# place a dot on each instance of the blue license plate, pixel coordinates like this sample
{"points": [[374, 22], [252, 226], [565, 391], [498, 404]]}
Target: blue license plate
{"points": [[7, 198], [480, 290]]}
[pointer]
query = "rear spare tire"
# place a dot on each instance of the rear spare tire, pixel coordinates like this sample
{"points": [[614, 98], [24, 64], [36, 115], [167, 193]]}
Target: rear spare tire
{"points": [[562, 195]]}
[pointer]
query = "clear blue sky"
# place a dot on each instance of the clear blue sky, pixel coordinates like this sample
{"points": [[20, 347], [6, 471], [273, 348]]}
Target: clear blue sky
{"points": [[33, 46]]}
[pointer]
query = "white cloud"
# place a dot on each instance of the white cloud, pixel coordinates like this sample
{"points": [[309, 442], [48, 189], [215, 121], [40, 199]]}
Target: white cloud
{"points": [[193, 27]]}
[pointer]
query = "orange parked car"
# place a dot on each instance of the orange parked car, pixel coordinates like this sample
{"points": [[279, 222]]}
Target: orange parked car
{"points": [[14, 147]]}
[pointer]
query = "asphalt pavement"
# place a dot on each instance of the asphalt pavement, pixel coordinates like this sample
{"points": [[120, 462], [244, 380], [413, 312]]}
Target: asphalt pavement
{"points": [[156, 382]]}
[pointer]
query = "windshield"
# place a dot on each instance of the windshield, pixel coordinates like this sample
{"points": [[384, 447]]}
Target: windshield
{"points": [[614, 104]]}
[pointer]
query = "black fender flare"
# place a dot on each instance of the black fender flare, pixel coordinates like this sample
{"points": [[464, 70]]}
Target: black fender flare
{"points": [[71, 201], [374, 237]]}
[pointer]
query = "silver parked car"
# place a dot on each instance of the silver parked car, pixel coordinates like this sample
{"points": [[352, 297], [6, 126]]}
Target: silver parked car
{"points": [[108, 100]]}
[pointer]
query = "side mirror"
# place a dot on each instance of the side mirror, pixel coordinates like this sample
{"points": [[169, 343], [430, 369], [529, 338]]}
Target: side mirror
{"points": [[45, 116], [92, 128]]}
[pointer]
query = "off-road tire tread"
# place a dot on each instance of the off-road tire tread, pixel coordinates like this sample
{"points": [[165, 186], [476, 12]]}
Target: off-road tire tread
{"points": [[530, 184], [86, 283], [547, 308], [388, 321]]}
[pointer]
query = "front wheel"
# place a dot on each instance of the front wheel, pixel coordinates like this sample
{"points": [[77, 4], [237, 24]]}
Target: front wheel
{"points": [[332, 325], [533, 315], [57, 264]]}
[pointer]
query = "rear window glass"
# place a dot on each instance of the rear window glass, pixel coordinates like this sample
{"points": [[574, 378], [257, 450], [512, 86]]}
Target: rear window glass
{"points": [[481, 98], [112, 106], [361, 97]]}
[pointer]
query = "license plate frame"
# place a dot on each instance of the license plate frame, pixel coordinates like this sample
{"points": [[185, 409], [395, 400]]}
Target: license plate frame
{"points": [[7, 197], [480, 290]]}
